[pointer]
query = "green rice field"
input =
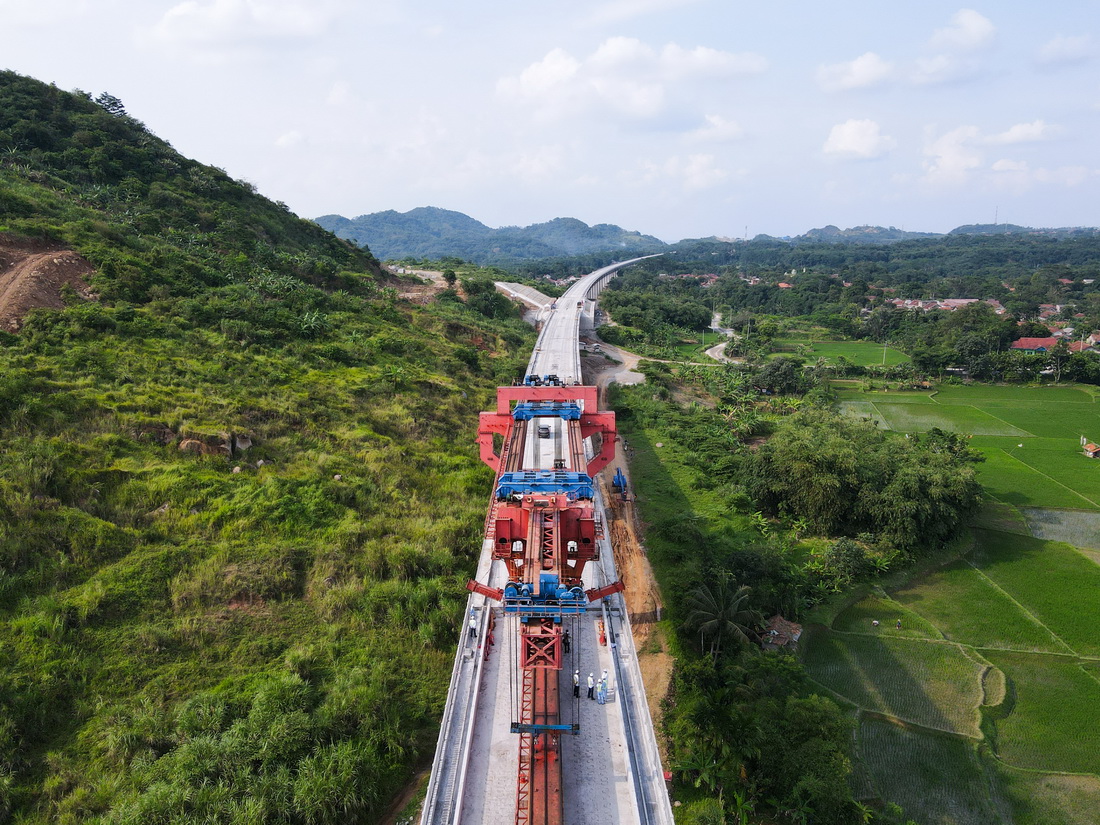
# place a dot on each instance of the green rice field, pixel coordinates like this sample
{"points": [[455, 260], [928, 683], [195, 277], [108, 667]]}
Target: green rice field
{"points": [[1051, 799], [906, 762], [1030, 436], [1081, 529], [863, 353], [1052, 726], [1052, 581], [961, 601], [934, 685], [985, 706]]}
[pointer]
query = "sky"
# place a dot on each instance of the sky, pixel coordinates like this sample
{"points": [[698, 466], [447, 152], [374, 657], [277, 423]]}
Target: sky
{"points": [[674, 118]]}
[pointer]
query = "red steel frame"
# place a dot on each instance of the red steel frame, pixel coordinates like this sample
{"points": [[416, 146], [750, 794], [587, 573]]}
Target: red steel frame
{"points": [[543, 533]]}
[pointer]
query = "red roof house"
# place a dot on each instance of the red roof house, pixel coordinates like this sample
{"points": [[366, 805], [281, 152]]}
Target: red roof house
{"points": [[1035, 345]]}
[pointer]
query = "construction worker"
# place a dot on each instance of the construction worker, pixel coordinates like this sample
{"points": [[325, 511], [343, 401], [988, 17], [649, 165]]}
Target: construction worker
{"points": [[601, 691], [576, 684], [473, 625], [565, 641], [591, 686]]}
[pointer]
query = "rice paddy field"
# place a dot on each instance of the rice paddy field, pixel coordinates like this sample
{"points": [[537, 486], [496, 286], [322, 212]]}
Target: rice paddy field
{"points": [[1030, 436], [906, 762], [862, 353], [984, 706]]}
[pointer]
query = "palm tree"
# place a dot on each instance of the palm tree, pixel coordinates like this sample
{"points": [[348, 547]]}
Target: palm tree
{"points": [[720, 613]]}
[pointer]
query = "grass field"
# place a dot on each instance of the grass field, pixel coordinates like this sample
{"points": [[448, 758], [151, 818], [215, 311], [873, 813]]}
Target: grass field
{"points": [[863, 353], [967, 607], [932, 684], [1052, 726], [1029, 435], [1021, 617], [904, 763]]}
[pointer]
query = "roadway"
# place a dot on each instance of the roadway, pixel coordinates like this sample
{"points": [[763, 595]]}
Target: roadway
{"points": [[611, 769], [557, 350]]}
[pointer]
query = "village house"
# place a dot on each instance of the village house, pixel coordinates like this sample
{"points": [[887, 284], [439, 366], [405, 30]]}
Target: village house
{"points": [[780, 634], [946, 304], [1041, 346]]}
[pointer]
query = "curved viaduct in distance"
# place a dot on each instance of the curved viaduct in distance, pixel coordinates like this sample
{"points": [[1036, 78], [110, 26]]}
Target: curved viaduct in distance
{"points": [[556, 350], [515, 745]]}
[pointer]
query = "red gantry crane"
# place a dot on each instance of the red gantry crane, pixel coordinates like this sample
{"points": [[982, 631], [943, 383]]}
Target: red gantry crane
{"points": [[544, 529]]}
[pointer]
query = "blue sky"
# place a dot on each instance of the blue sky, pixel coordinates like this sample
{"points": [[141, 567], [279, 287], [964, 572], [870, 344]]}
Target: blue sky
{"points": [[677, 118]]}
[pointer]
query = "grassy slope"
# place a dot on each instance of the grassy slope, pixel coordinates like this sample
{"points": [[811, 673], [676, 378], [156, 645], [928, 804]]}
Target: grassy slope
{"points": [[180, 641]]}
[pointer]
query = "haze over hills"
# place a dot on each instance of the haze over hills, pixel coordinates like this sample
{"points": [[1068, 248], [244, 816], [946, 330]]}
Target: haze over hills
{"points": [[431, 232]]}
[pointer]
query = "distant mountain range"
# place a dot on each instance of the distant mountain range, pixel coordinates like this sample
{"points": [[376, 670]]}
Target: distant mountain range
{"points": [[433, 233], [430, 232], [890, 234]]}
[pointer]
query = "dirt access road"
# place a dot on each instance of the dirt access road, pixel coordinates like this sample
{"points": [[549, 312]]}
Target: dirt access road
{"points": [[624, 529], [32, 276]]}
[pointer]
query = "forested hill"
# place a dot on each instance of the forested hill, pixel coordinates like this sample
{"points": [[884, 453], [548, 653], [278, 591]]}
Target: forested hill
{"points": [[432, 233], [235, 518]]}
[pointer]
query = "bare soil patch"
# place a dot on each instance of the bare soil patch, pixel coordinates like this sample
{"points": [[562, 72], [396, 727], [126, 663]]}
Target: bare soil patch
{"points": [[642, 595], [420, 293], [32, 276]]}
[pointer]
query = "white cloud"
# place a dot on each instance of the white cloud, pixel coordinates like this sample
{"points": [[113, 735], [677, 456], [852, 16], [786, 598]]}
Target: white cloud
{"points": [[1066, 50], [866, 70], [956, 158], [692, 173], [861, 139], [340, 94], [1065, 175], [716, 130], [952, 156], [969, 31], [943, 68], [1024, 133], [699, 172], [702, 61], [229, 22], [623, 75], [1018, 176], [539, 164], [621, 53]]}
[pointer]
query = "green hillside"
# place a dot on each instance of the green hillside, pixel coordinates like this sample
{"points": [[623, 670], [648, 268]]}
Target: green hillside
{"points": [[433, 233], [239, 497]]}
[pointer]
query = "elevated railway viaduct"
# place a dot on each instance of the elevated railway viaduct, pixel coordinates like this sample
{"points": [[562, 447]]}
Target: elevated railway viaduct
{"points": [[521, 741]]}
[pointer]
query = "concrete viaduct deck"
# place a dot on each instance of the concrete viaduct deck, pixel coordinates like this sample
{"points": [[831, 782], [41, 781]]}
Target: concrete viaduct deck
{"points": [[611, 771]]}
